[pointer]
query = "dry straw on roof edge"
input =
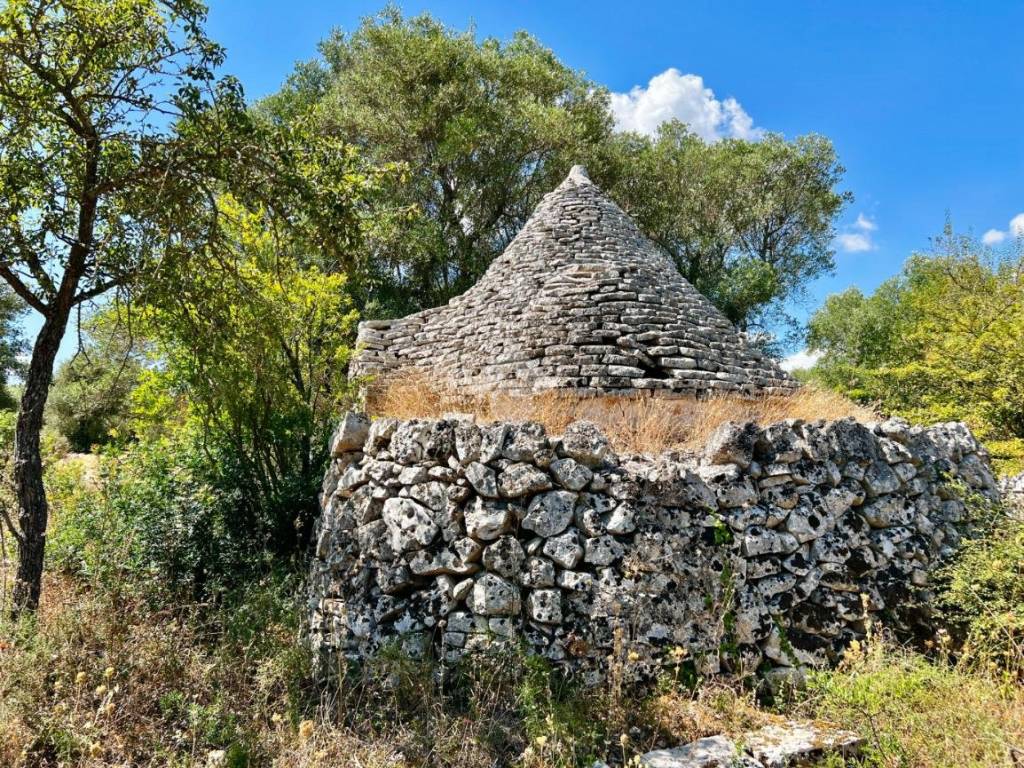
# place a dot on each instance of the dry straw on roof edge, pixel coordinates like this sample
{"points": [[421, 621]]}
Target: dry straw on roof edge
{"points": [[637, 423]]}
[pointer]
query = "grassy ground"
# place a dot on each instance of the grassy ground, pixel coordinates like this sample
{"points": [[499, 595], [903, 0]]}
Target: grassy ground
{"points": [[103, 679]]}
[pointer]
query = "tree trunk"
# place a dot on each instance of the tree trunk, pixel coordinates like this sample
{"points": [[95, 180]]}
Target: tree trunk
{"points": [[28, 462]]}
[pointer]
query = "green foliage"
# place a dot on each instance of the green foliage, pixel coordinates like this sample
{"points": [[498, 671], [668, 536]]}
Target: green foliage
{"points": [[984, 596], [750, 224], [558, 716], [252, 351], [940, 341], [90, 401], [91, 181], [916, 712], [483, 129], [170, 517], [115, 134], [12, 308]]}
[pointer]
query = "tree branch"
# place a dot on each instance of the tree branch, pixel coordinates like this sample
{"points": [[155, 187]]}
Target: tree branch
{"points": [[10, 525], [23, 290]]}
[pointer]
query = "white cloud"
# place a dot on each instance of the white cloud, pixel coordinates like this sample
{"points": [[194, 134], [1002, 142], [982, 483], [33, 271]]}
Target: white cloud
{"points": [[854, 242], [1017, 225], [865, 224], [684, 97], [800, 360], [993, 237], [1014, 229], [858, 238]]}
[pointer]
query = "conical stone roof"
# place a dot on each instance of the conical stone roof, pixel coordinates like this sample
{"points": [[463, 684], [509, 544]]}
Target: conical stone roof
{"points": [[580, 299]]}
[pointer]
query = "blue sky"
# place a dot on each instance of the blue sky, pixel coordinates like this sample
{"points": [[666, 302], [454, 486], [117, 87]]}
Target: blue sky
{"points": [[924, 101]]}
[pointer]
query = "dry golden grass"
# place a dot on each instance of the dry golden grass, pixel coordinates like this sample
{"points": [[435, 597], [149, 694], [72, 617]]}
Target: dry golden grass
{"points": [[642, 424]]}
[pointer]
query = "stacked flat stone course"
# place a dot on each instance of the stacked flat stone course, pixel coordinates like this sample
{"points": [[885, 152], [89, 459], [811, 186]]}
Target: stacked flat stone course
{"points": [[580, 300], [773, 548]]}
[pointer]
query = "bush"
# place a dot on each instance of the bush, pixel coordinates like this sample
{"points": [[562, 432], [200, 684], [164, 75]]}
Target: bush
{"points": [[984, 597], [89, 402], [919, 713], [169, 515], [901, 349]]}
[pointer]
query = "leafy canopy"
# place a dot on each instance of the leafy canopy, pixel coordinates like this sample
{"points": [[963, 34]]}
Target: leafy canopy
{"points": [[90, 402], [939, 341], [112, 125], [482, 130], [749, 223]]}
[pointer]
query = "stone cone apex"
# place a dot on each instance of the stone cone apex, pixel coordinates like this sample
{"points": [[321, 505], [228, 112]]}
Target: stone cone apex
{"points": [[580, 300]]}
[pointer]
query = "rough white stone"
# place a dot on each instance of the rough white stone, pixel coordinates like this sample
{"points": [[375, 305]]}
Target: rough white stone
{"points": [[410, 524], [522, 479], [351, 433], [493, 596], [549, 513], [570, 474], [487, 520], [483, 480]]}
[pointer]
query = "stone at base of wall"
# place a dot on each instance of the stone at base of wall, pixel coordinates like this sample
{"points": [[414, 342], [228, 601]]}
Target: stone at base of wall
{"points": [[773, 548], [787, 743]]}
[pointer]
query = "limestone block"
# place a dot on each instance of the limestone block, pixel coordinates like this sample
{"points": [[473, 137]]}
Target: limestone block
{"points": [[522, 479], [350, 434], [548, 514], [409, 523]]}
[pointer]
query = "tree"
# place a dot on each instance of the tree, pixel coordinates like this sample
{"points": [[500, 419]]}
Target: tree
{"points": [[939, 341], [483, 130], [749, 223], [113, 126], [256, 344], [90, 400]]}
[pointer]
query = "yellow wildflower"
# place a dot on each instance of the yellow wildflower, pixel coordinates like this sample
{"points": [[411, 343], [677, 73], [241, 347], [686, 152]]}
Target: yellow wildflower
{"points": [[305, 730], [108, 673], [80, 678]]}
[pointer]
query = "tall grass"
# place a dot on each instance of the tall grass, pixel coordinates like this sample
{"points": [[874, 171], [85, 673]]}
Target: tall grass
{"points": [[643, 424], [916, 712]]}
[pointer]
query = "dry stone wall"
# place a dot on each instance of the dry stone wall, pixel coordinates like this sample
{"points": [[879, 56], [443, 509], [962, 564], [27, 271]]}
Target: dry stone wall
{"points": [[773, 548]]}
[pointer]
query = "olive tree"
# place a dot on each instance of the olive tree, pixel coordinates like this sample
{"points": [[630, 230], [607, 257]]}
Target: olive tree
{"points": [[483, 129], [112, 126]]}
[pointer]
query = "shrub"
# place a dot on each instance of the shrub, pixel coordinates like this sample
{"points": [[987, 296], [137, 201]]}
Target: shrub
{"points": [[901, 348], [90, 400], [170, 515], [984, 597], [919, 713]]}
